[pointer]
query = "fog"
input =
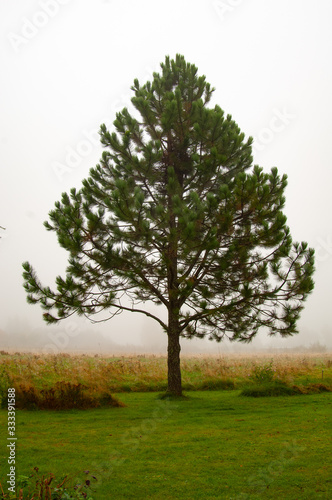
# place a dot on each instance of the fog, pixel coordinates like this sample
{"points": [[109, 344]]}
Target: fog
{"points": [[68, 65]]}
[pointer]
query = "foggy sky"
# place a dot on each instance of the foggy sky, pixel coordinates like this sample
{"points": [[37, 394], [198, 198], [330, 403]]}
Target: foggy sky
{"points": [[68, 65]]}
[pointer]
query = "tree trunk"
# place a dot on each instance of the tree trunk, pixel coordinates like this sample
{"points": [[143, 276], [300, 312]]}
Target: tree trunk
{"points": [[173, 360], [173, 331]]}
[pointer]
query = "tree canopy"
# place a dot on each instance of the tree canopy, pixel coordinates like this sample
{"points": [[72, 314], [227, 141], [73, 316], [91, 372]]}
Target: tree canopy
{"points": [[176, 214]]}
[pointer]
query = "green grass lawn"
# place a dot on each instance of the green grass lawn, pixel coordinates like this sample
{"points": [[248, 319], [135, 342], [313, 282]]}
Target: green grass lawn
{"points": [[216, 444]]}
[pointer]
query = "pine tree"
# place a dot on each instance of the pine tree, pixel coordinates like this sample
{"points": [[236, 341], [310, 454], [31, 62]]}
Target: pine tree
{"points": [[176, 214]]}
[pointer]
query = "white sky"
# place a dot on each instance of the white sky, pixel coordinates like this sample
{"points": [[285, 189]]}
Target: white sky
{"points": [[68, 65]]}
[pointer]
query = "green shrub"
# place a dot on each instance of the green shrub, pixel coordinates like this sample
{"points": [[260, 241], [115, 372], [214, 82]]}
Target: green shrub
{"points": [[262, 374], [278, 388], [269, 389], [217, 385], [62, 396]]}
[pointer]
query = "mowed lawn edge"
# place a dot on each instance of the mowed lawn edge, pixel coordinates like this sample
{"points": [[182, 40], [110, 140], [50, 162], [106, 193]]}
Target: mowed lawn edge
{"points": [[215, 444]]}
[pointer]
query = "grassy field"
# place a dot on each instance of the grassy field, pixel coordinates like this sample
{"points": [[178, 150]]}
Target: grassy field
{"points": [[214, 444], [149, 373]]}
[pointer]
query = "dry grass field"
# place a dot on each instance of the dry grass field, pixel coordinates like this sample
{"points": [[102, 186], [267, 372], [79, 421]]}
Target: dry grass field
{"points": [[142, 373]]}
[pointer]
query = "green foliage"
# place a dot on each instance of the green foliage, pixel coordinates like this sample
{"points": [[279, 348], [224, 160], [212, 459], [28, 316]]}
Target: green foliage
{"points": [[176, 214], [46, 487]]}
